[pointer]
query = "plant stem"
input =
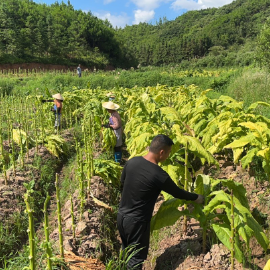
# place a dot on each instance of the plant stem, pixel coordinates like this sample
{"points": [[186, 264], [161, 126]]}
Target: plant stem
{"points": [[2, 155], [59, 217], [13, 152], [82, 193], [232, 231], [185, 187], [47, 235], [31, 232], [72, 219]]}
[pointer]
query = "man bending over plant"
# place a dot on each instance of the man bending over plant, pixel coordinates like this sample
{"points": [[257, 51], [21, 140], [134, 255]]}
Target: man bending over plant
{"points": [[142, 181]]}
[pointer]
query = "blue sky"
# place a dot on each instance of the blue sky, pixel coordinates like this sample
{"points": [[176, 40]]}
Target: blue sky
{"points": [[121, 13]]}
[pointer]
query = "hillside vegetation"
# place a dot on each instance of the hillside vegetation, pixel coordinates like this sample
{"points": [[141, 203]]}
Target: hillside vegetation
{"points": [[226, 35], [58, 33]]}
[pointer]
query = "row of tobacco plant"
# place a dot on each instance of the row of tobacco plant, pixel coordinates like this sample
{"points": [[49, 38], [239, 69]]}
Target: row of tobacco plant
{"points": [[199, 126]]}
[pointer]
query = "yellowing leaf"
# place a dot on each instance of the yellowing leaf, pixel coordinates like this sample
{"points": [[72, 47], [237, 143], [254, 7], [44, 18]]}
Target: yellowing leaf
{"points": [[267, 266], [264, 153], [241, 142]]}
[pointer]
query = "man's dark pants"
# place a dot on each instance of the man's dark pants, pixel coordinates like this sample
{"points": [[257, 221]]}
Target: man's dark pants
{"points": [[134, 232]]}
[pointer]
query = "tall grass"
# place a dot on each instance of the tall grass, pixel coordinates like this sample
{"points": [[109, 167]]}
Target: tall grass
{"points": [[251, 86], [49, 83]]}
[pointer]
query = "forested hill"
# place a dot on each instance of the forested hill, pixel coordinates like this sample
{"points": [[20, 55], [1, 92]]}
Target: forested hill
{"points": [[31, 32], [226, 34]]}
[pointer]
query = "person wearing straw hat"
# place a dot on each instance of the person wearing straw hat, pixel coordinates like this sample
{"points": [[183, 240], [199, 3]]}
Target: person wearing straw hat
{"points": [[111, 96], [57, 108], [116, 124]]}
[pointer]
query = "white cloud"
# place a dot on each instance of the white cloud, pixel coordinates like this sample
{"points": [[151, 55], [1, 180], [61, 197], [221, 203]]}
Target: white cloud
{"points": [[149, 4], [213, 3], [119, 20], [107, 2], [201, 4], [143, 16]]}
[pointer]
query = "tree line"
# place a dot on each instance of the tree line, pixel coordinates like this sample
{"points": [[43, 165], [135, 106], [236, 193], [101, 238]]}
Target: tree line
{"points": [[60, 34], [196, 34], [56, 34]]}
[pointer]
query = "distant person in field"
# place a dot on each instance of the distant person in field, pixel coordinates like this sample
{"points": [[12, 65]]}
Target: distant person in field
{"points": [[115, 124], [79, 71], [142, 181]]}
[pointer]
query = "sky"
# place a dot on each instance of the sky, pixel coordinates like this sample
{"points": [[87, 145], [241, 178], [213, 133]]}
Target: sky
{"points": [[121, 13]]}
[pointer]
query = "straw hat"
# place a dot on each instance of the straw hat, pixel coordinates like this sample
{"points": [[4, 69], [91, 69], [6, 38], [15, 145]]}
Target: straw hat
{"points": [[110, 94], [110, 105], [58, 96]]}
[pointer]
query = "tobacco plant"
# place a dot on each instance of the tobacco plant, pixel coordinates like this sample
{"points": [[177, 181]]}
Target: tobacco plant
{"points": [[59, 215], [232, 215], [31, 230], [47, 243]]}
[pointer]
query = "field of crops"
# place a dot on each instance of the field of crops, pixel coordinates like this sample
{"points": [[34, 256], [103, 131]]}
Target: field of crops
{"points": [[60, 189]]}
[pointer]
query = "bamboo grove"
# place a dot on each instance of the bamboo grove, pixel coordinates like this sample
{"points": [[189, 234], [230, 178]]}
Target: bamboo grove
{"points": [[200, 127]]}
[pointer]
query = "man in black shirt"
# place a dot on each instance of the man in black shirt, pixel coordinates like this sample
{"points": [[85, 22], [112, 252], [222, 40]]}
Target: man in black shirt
{"points": [[142, 181]]}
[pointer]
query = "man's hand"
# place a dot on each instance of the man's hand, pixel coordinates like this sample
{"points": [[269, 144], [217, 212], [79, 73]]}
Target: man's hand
{"points": [[200, 199]]}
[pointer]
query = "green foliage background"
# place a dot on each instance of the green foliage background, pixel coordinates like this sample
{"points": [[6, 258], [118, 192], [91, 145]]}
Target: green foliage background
{"points": [[59, 34]]}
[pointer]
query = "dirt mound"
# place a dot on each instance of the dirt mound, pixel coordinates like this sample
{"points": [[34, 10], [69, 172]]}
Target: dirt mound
{"points": [[92, 225]]}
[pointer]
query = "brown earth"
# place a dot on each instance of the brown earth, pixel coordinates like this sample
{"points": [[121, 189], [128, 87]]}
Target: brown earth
{"points": [[78, 263], [39, 67], [96, 232], [35, 67]]}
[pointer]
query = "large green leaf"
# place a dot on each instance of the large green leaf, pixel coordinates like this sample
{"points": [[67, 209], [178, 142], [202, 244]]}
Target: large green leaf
{"points": [[167, 214], [170, 114], [247, 159], [258, 129], [258, 232], [220, 197], [238, 191], [195, 146], [200, 126], [247, 221], [237, 152], [223, 233], [254, 105], [242, 141], [140, 143], [202, 185], [176, 172]]}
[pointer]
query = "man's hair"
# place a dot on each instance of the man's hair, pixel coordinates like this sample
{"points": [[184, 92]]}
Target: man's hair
{"points": [[160, 142]]}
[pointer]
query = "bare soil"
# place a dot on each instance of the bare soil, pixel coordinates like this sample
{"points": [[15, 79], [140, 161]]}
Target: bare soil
{"points": [[40, 67], [96, 233]]}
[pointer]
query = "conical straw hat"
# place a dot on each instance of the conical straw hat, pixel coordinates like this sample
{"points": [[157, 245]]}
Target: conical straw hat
{"points": [[110, 94], [58, 96], [110, 105]]}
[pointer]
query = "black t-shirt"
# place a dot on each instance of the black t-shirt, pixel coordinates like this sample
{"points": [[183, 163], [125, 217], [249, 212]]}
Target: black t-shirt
{"points": [[142, 182]]}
